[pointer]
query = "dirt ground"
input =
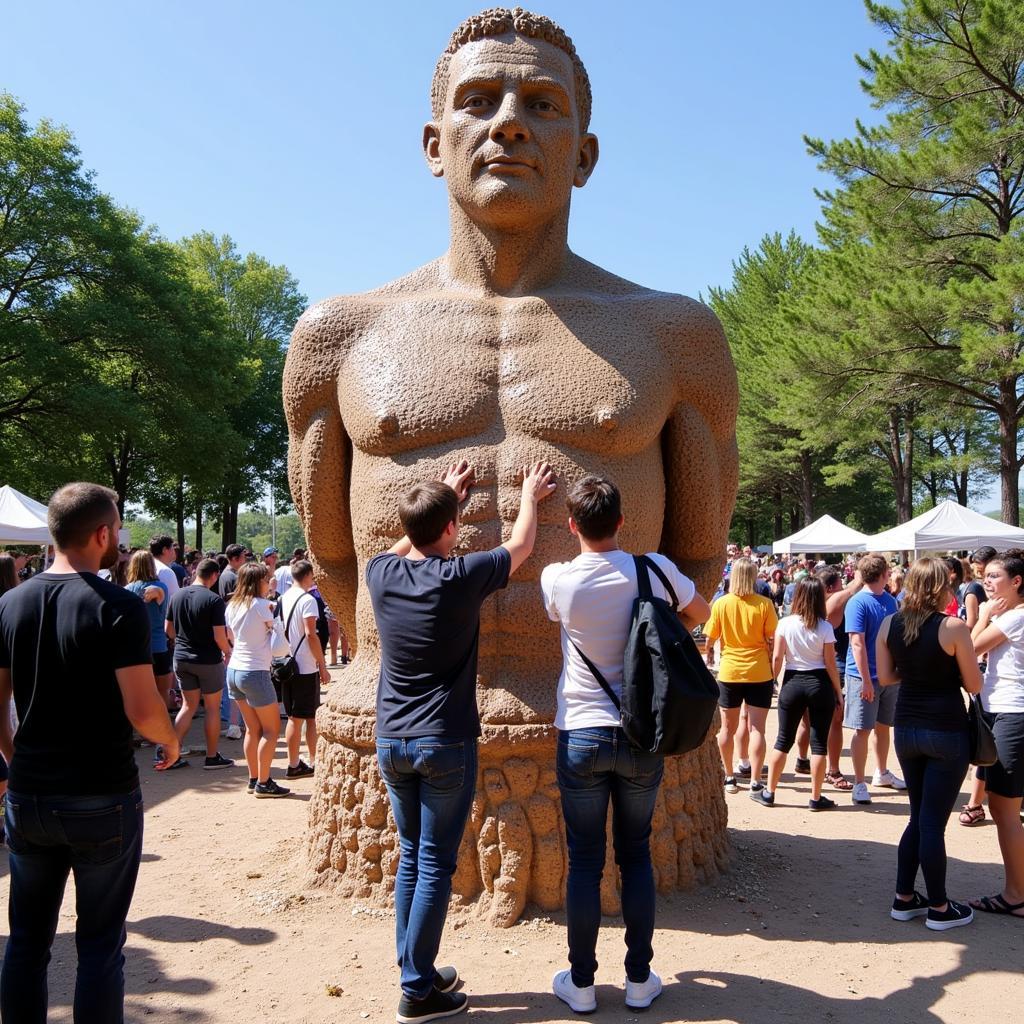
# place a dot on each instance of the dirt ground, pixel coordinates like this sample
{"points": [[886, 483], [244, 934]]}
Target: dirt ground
{"points": [[221, 930]]}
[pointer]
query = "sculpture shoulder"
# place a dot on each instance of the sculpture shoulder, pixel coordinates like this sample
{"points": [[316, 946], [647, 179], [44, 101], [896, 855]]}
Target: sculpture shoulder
{"points": [[695, 345]]}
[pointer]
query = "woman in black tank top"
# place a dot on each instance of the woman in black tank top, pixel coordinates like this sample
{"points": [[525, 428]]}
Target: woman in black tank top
{"points": [[931, 657]]}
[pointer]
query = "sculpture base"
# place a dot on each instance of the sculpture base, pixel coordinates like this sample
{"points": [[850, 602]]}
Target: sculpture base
{"points": [[514, 851]]}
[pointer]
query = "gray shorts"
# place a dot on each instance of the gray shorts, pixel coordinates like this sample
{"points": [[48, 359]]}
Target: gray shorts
{"points": [[253, 686], [865, 714], [193, 676]]}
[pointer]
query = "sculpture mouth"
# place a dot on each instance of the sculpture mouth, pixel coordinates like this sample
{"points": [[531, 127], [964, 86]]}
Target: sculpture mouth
{"points": [[500, 164]]}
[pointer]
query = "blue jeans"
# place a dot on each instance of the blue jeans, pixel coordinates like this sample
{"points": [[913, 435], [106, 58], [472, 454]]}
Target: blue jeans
{"points": [[99, 839], [595, 765], [430, 782], [934, 763]]}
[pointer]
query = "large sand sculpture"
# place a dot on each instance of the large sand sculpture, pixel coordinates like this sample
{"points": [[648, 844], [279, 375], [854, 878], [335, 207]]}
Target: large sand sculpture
{"points": [[507, 349]]}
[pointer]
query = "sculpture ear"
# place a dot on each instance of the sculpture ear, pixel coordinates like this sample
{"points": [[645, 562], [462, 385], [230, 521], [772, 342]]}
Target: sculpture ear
{"points": [[432, 149], [587, 160]]}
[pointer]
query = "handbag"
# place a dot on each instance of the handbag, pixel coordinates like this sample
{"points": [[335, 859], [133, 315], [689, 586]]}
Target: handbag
{"points": [[983, 743], [287, 670]]}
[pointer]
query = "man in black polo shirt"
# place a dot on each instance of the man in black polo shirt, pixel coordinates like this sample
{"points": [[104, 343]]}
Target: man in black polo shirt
{"points": [[74, 649], [427, 607]]}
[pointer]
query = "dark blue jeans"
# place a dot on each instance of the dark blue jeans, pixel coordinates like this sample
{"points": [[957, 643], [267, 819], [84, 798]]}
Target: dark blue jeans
{"points": [[594, 766], [99, 839], [934, 763], [430, 781]]}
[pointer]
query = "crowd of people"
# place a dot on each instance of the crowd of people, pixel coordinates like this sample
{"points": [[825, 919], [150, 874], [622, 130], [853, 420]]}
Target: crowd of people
{"points": [[132, 645]]}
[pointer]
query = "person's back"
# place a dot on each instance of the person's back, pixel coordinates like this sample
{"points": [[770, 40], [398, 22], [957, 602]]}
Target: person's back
{"points": [[744, 625], [75, 655], [194, 611], [592, 598], [930, 691]]}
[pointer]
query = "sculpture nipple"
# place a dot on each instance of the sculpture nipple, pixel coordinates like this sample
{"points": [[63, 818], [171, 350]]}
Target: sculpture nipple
{"points": [[607, 420], [387, 424]]}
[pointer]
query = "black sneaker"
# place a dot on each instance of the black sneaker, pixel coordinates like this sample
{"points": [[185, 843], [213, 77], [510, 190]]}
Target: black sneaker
{"points": [[212, 763], [269, 789], [436, 1006], [907, 910], [821, 804], [743, 771], [447, 978], [300, 771], [180, 763], [251, 787], [762, 796], [730, 784], [756, 787], [803, 766], [954, 916]]}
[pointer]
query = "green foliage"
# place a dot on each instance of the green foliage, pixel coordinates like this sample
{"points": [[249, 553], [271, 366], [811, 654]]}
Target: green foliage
{"points": [[254, 532]]}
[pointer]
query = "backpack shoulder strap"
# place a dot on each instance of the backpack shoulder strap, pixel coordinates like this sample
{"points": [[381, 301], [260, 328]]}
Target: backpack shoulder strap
{"points": [[594, 671], [644, 582], [288, 625]]}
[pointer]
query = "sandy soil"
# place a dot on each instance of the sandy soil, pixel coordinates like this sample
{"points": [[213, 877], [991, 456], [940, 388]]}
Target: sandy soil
{"points": [[222, 931]]}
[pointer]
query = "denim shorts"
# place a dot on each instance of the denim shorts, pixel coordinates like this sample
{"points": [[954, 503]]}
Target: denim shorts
{"points": [[859, 713], [254, 686]]}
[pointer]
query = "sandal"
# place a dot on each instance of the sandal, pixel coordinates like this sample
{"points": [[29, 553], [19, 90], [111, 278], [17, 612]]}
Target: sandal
{"points": [[972, 815], [838, 781], [997, 905]]}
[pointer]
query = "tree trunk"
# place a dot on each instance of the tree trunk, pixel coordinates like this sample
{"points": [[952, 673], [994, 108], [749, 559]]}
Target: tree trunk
{"points": [[199, 526], [179, 511], [1009, 462], [777, 514], [119, 464], [794, 519], [807, 486]]}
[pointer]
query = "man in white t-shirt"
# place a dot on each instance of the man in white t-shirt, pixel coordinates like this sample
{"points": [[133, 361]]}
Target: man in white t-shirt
{"points": [[592, 597], [301, 696], [162, 550]]}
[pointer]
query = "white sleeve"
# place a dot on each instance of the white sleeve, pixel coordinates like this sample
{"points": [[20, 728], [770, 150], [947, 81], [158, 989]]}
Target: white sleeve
{"points": [[1011, 625], [309, 609], [828, 634], [547, 589], [684, 587]]}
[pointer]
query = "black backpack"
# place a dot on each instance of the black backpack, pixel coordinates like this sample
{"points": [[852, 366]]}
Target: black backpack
{"points": [[668, 695]]}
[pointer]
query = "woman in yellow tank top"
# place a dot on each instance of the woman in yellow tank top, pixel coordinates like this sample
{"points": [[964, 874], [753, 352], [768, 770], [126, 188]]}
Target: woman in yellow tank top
{"points": [[743, 623]]}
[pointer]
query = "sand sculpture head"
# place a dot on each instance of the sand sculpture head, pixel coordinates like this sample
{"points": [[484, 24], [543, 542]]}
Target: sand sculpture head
{"points": [[503, 167]]}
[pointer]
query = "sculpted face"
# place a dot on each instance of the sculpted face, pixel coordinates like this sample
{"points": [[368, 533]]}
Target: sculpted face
{"points": [[509, 141]]}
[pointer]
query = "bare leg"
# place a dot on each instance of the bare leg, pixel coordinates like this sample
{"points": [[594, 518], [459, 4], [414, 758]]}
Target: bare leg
{"points": [[776, 766], [817, 774], [758, 717], [293, 740], [188, 709], [1006, 815], [803, 737], [311, 739], [835, 740], [977, 798], [253, 732], [881, 733], [270, 725], [730, 721], [859, 753], [211, 723], [743, 735], [334, 627], [163, 685]]}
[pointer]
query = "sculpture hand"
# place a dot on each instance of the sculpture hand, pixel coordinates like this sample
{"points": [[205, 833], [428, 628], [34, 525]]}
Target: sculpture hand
{"points": [[459, 478]]}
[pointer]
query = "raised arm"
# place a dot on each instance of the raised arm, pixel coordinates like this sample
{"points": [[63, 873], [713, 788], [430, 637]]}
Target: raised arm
{"points": [[699, 445], [319, 454]]}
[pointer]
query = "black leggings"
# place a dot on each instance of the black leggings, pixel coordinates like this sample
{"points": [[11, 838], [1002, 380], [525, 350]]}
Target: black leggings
{"points": [[811, 692]]}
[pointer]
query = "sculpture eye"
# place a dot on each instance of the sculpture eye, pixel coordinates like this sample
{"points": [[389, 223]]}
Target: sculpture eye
{"points": [[475, 102], [545, 106]]}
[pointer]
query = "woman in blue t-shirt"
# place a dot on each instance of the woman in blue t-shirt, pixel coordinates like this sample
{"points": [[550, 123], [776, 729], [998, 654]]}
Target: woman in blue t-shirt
{"points": [[143, 580]]}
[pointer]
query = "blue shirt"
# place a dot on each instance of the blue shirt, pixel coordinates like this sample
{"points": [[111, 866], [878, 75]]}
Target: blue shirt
{"points": [[428, 617], [864, 614], [156, 611]]}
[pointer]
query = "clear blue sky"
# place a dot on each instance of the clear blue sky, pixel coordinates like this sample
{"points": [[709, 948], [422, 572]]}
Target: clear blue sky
{"points": [[295, 128]]}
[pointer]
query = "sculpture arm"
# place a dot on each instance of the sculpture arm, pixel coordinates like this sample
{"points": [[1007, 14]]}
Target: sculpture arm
{"points": [[319, 459], [701, 462]]}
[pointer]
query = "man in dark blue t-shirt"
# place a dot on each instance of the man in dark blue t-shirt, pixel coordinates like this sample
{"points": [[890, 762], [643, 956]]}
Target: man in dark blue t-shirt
{"points": [[427, 607]]}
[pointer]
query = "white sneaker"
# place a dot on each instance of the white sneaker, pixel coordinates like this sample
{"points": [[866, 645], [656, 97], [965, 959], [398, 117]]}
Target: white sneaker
{"points": [[582, 1000], [640, 994], [233, 732], [860, 794], [887, 780]]}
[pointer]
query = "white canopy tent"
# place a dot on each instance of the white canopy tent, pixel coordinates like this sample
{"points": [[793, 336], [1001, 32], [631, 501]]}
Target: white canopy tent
{"points": [[23, 521], [824, 534], [947, 527]]}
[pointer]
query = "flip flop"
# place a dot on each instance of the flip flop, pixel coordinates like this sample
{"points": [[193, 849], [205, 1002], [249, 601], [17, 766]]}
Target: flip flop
{"points": [[997, 905]]}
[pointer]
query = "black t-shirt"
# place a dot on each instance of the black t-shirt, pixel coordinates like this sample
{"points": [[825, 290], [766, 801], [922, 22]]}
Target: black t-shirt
{"points": [[975, 588], [227, 583], [84, 628], [428, 617], [930, 684], [181, 572], [194, 611]]}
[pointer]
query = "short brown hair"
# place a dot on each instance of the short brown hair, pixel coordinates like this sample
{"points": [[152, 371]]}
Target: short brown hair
{"points": [[207, 567], [426, 510], [595, 506], [829, 576], [301, 569], [77, 510], [872, 567]]}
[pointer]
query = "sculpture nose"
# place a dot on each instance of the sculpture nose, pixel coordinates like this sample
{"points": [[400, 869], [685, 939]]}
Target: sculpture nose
{"points": [[508, 122]]}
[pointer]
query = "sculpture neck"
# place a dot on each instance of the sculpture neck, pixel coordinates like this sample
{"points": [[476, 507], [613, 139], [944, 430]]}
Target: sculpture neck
{"points": [[506, 261]]}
